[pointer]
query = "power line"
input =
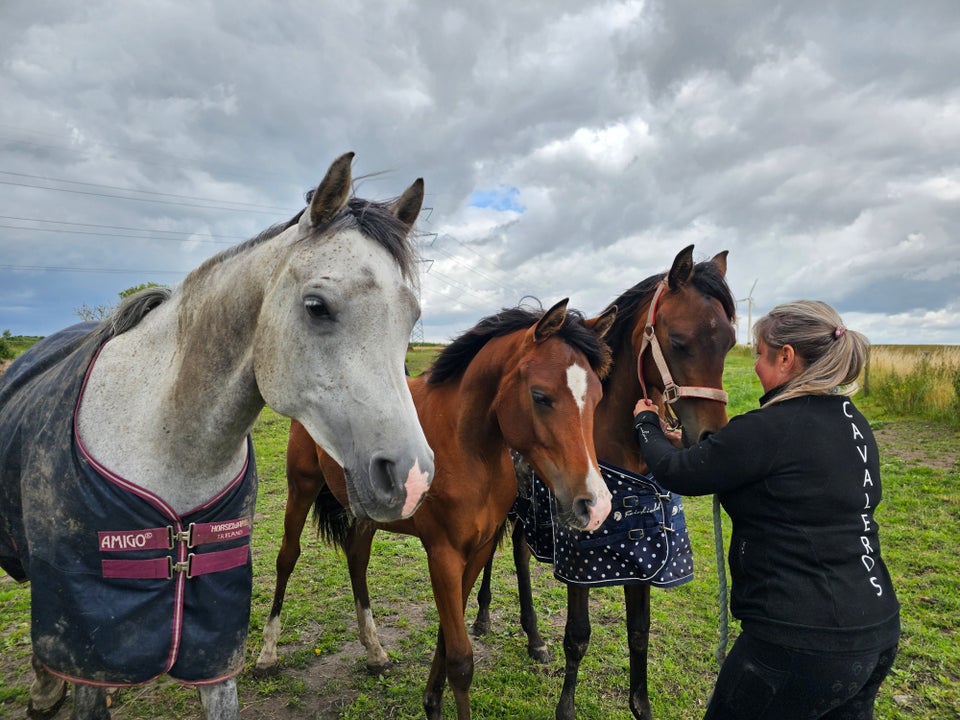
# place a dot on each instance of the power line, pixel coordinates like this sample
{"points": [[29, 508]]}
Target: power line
{"points": [[114, 227], [113, 235], [474, 270], [459, 300], [135, 190], [51, 268], [148, 200]]}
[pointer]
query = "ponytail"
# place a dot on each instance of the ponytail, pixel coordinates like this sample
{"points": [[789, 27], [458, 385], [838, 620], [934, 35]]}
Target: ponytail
{"points": [[832, 355]]}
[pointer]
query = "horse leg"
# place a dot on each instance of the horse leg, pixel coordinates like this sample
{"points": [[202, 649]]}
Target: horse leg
{"points": [[481, 626], [220, 701], [536, 647], [576, 639], [47, 692], [304, 482], [453, 659], [637, 599], [89, 703], [433, 694], [356, 547]]}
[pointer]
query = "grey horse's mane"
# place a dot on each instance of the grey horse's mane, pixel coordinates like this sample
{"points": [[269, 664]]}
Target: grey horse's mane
{"points": [[376, 220], [131, 311]]}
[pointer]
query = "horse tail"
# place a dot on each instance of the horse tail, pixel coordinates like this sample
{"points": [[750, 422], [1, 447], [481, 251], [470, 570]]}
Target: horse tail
{"points": [[498, 539], [331, 519]]}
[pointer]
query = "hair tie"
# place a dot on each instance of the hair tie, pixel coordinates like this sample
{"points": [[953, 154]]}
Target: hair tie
{"points": [[839, 332]]}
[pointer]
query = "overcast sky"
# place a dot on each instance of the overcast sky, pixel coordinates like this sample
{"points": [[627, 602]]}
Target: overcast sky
{"points": [[569, 149]]}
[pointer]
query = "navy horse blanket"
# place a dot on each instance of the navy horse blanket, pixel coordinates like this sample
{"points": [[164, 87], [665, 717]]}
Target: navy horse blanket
{"points": [[644, 540], [123, 589]]}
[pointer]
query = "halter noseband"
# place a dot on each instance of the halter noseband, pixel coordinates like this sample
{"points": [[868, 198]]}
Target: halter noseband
{"points": [[671, 391]]}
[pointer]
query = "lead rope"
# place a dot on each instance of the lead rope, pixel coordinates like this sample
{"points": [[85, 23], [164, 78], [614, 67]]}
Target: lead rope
{"points": [[721, 652], [671, 393]]}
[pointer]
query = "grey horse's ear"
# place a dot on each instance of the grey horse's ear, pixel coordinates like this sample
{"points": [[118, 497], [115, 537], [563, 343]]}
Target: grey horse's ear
{"points": [[551, 321], [682, 269], [720, 260], [333, 191], [603, 322], [406, 208]]}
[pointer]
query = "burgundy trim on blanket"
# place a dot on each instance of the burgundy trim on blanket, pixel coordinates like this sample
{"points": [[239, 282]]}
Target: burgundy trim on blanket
{"points": [[152, 569], [130, 540], [220, 531], [212, 562], [163, 568]]}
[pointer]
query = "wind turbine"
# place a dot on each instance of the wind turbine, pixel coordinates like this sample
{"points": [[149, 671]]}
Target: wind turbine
{"points": [[749, 300]]}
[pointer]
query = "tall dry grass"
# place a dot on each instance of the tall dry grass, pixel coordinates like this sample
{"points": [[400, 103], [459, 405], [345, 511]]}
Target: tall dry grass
{"points": [[920, 380]]}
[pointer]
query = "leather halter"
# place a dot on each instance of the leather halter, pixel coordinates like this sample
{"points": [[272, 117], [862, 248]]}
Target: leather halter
{"points": [[671, 391]]}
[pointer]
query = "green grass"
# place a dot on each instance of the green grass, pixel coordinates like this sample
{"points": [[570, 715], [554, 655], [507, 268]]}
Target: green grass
{"points": [[322, 673], [420, 356]]}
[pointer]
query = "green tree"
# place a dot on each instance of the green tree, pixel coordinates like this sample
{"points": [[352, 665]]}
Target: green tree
{"points": [[99, 312], [6, 352]]}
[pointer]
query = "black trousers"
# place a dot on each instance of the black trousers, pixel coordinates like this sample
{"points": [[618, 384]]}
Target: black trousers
{"points": [[763, 681]]}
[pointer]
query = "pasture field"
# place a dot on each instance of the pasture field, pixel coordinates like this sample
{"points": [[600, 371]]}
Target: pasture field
{"points": [[918, 380], [322, 675]]}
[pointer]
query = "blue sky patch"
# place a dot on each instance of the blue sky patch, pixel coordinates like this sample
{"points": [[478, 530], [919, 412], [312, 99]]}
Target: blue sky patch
{"points": [[501, 198]]}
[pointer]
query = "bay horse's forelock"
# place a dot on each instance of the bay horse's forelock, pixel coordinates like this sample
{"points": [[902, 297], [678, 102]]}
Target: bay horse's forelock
{"points": [[455, 357]]}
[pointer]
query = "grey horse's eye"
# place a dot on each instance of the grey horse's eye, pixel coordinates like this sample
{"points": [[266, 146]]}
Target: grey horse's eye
{"points": [[317, 308]]}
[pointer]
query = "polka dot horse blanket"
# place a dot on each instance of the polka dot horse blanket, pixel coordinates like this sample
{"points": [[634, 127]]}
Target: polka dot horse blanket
{"points": [[123, 589], [644, 540]]}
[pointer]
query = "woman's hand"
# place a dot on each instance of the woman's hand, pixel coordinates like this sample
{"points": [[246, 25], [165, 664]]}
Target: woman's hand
{"points": [[673, 435], [644, 404]]}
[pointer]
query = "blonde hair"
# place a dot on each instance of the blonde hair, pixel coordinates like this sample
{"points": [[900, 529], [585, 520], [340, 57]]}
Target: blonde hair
{"points": [[832, 356]]}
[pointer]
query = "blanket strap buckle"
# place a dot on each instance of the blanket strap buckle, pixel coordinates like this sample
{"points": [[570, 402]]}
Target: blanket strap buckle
{"points": [[181, 536], [184, 566]]}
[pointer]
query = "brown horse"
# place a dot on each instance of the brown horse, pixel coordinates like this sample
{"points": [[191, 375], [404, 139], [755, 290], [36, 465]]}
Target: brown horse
{"points": [[686, 317], [520, 380]]}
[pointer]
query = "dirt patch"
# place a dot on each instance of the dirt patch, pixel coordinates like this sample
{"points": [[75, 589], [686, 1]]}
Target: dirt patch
{"points": [[4, 364], [332, 677], [919, 443]]}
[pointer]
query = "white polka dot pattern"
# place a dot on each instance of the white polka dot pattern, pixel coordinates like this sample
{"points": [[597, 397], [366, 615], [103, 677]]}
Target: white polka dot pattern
{"points": [[644, 539]]}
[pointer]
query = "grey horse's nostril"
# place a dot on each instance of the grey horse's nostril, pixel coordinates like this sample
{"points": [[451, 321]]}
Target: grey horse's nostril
{"points": [[387, 488]]}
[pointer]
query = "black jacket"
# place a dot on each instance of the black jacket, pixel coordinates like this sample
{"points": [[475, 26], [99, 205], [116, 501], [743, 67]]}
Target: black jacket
{"points": [[801, 481]]}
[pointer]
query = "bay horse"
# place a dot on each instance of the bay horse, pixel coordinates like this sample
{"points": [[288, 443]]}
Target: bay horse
{"points": [[670, 339], [520, 380], [127, 477]]}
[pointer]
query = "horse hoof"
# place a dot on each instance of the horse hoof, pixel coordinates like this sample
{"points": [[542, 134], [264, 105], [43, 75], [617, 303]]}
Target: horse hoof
{"points": [[540, 654], [481, 628], [45, 713], [265, 670], [379, 668]]}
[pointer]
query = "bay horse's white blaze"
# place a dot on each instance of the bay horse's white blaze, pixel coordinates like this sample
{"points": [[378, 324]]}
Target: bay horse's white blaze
{"points": [[599, 512], [577, 382]]}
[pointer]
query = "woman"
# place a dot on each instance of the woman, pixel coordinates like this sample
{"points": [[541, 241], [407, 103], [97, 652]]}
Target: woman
{"points": [[800, 478]]}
